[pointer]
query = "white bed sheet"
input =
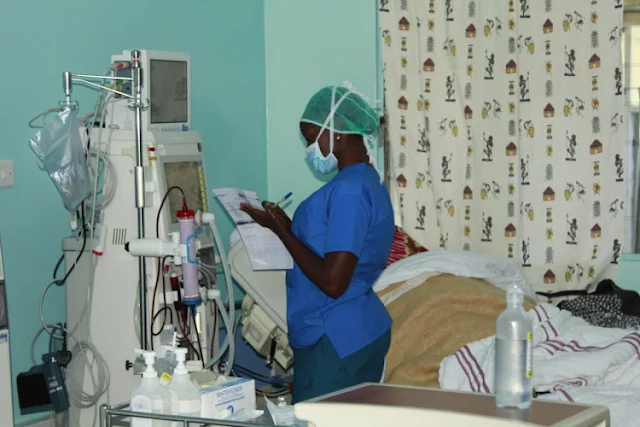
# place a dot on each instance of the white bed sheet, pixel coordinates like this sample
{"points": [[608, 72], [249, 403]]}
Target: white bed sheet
{"points": [[573, 360], [417, 268]]}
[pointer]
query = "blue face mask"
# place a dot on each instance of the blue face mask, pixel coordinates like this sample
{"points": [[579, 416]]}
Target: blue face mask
{"points": [[318, 161]]}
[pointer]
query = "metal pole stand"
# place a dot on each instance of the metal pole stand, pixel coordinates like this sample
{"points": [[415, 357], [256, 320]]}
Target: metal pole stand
{"points": [[137, 106], [105, 418]]}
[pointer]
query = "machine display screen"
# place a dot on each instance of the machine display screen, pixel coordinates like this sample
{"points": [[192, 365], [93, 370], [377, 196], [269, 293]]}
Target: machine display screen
{"points": [[189, 177], [168, 90]]}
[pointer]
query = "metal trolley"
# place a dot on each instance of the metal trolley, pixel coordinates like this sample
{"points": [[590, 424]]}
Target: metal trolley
{"points": [[112, 416]]}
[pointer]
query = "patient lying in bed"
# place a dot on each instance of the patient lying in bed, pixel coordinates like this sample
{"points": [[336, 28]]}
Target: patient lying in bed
{"points": [[444, 307], [435, 313], [433, 321]]}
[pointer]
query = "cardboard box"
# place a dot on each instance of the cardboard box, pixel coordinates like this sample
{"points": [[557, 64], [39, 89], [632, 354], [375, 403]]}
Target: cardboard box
{"points": [[232, 396]]}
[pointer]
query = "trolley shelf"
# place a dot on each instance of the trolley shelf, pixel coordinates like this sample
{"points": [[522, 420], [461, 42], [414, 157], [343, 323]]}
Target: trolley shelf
{"points": [[108, 413]]}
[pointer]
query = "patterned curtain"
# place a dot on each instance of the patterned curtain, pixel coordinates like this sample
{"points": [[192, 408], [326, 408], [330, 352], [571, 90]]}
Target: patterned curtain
{"points": [[505, 124]]}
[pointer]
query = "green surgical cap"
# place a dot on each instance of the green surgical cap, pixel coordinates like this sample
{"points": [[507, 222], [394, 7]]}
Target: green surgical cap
{"points": [[353, 114]]}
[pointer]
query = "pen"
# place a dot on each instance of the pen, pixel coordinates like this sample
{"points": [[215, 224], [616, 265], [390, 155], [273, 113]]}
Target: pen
{"points": [[284, 199]]}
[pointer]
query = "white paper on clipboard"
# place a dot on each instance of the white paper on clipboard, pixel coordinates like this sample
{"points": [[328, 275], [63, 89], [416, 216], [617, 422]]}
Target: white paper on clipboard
{"points": [[264, 248]]}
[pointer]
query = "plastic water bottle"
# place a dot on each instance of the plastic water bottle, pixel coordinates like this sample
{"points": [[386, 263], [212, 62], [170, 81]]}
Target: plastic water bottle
{"points": [[514, 359]]}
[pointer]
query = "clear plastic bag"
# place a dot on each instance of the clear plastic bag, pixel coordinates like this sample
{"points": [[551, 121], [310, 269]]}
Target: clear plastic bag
{"points": [[283, 415], [58, 147]]}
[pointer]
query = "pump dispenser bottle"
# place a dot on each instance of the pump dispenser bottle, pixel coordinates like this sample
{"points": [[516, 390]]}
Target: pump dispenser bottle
{"points": [[185, 393], [150, 396], [513, 352]]}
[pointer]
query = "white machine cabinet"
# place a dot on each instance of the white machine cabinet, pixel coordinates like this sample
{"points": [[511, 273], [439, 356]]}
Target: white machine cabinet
{"points": [[170, 159]]}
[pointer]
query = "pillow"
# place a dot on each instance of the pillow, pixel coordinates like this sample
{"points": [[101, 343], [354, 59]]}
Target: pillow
{"points": [[403, 246]]}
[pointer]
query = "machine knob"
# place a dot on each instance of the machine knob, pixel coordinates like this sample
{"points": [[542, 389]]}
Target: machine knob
{"points": [[128, 365]]}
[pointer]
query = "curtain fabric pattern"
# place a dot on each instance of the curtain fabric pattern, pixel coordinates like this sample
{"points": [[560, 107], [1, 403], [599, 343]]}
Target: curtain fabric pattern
{"points": [[505, 120]]}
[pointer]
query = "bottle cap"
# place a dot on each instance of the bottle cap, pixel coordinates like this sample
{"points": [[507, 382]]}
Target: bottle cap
{"points": [[515, 289], [515, 295], [181, 356], [149, 359], [181, 353]]}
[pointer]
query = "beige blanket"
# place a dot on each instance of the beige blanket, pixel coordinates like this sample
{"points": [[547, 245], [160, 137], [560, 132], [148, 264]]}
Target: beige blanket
{"points": [[434, 320]]}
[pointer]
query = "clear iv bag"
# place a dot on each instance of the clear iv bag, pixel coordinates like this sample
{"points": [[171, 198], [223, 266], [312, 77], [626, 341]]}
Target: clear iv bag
{"points": [[58, 147]]}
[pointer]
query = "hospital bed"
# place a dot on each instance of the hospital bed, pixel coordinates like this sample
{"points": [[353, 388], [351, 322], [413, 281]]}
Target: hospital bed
{"points": [[459, 295]]}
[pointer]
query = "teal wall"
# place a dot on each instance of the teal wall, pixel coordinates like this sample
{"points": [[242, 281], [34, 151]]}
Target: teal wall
{"points": [[41, 39], [629, 274], [311, 44]]}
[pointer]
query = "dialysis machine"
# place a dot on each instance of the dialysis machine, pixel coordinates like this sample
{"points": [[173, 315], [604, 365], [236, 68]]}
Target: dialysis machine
{"points": [[173, 174], [166, 87]]}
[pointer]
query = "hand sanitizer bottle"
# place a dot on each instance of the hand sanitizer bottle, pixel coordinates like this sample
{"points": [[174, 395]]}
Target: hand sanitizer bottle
{"points": [[513, 354], [150, 396], [186, 394]]}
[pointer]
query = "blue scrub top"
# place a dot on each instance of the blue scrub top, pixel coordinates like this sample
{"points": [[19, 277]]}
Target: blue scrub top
{"points": [[351, 213]]}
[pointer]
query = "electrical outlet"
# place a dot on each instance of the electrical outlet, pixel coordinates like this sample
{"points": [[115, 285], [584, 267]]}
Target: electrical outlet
{"points": [[6, 173]]}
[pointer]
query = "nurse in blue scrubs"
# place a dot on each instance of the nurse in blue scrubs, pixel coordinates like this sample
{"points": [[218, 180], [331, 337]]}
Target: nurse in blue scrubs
{"points": [[340, 238]]}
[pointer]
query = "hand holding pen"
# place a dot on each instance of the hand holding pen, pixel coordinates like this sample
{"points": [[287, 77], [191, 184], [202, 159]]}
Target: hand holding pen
{"points": [[282, 220], [273, 217]]}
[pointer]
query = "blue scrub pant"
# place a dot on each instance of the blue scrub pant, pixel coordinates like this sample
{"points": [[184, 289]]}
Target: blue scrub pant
{"points": [[318, 369]]}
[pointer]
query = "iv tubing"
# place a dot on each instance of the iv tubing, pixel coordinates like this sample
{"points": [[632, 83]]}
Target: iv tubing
{"points": [[99, 380], [225, 268], [229, 341], [226, 316], [71, 331]]}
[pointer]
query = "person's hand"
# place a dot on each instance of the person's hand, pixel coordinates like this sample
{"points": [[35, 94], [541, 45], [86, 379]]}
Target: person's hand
{"points": [[282, 220], [272, 217], [259, 216]]}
